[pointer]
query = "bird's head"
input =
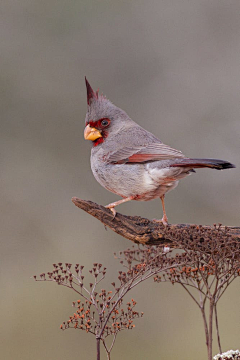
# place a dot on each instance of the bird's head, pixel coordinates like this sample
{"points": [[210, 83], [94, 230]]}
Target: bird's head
{"points": [[102, 118]]}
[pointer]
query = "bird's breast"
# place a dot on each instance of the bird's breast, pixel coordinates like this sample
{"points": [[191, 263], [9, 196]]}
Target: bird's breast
{"points": [[144, 181]]}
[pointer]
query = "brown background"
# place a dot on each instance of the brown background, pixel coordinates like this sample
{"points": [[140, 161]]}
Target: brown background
{"points": [[174, 66]]}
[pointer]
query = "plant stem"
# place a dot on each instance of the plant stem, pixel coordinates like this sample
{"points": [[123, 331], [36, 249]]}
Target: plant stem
{"points": [[98, 348], [217, 328], [108, 351], [205, 325], [210, 328]]}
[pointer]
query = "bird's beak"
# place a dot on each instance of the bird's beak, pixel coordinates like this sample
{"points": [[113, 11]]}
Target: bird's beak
{"points": [[90, 133]]}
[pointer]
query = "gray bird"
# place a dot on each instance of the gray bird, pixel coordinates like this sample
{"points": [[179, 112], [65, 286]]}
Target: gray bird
{"points": [[129, 160]]}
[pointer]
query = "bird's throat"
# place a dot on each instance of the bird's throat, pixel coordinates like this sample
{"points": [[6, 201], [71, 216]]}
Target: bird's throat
{"points": [[98, 141]]}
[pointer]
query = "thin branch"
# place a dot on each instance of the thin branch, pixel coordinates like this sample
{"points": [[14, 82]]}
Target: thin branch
{"points": [[189, 293], [113, 341], [228, 283], [202, 308], [210, 329], [217, 328]]}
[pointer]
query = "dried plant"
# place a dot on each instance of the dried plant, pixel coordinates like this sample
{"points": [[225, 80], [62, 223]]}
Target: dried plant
{"points": [[213, 264], [103, 313], [207, 263]]}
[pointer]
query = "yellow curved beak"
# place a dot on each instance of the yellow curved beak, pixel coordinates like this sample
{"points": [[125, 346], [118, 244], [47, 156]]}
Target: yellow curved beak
{"points": [[91, 133]]}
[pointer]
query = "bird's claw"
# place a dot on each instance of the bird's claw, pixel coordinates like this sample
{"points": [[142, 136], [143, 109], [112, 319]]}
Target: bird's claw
{"points": [[163, 221], [112, 210]]}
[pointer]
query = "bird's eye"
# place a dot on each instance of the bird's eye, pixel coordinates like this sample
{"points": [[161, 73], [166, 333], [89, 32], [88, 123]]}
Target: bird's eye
{"points": [[104, 122]]}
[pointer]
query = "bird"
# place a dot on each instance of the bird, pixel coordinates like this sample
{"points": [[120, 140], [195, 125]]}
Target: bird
{"points": [[130, 161]]}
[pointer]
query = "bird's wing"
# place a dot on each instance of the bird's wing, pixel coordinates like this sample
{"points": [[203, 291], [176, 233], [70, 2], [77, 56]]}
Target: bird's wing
{"points": [[140, 154]]}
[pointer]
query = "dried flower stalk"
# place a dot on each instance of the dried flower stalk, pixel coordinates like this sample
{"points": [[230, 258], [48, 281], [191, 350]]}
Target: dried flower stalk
{"points": [[208, 262], [103, 313], [213, 264]]}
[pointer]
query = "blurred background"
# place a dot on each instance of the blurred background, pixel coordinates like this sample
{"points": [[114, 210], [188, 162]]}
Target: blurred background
{"points": [[174, 67]]}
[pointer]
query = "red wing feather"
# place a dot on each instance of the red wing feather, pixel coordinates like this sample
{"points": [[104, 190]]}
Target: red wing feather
{"points": [[139, 154], [138, 158]]}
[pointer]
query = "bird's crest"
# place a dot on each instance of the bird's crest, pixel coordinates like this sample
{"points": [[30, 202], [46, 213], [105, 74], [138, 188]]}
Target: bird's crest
{"points": [[91, 94]]}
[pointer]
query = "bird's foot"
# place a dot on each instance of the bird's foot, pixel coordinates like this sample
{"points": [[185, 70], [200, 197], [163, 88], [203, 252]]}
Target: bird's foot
{"points": [[112, 205], [112, 210], [164, 220]]}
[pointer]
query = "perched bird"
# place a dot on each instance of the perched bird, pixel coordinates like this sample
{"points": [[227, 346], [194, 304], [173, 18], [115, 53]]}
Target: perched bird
{"points": [[130, 161]]}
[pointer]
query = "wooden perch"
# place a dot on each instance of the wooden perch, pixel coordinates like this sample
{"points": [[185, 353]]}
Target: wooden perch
{"points": [[147, 232]]}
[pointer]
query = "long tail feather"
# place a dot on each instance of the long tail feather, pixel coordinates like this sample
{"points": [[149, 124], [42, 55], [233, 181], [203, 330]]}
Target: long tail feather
{"points": [[202, 163]]}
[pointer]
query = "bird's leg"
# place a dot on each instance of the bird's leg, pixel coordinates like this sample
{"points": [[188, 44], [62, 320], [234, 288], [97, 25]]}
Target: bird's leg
{"points": [[112, 205], [164, 218]]}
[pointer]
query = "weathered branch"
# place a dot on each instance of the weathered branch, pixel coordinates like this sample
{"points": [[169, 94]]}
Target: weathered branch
{"points": [[145, 231]]}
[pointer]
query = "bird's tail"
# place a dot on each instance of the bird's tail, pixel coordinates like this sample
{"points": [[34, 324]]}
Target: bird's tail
{"points": [[204, 163]]}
